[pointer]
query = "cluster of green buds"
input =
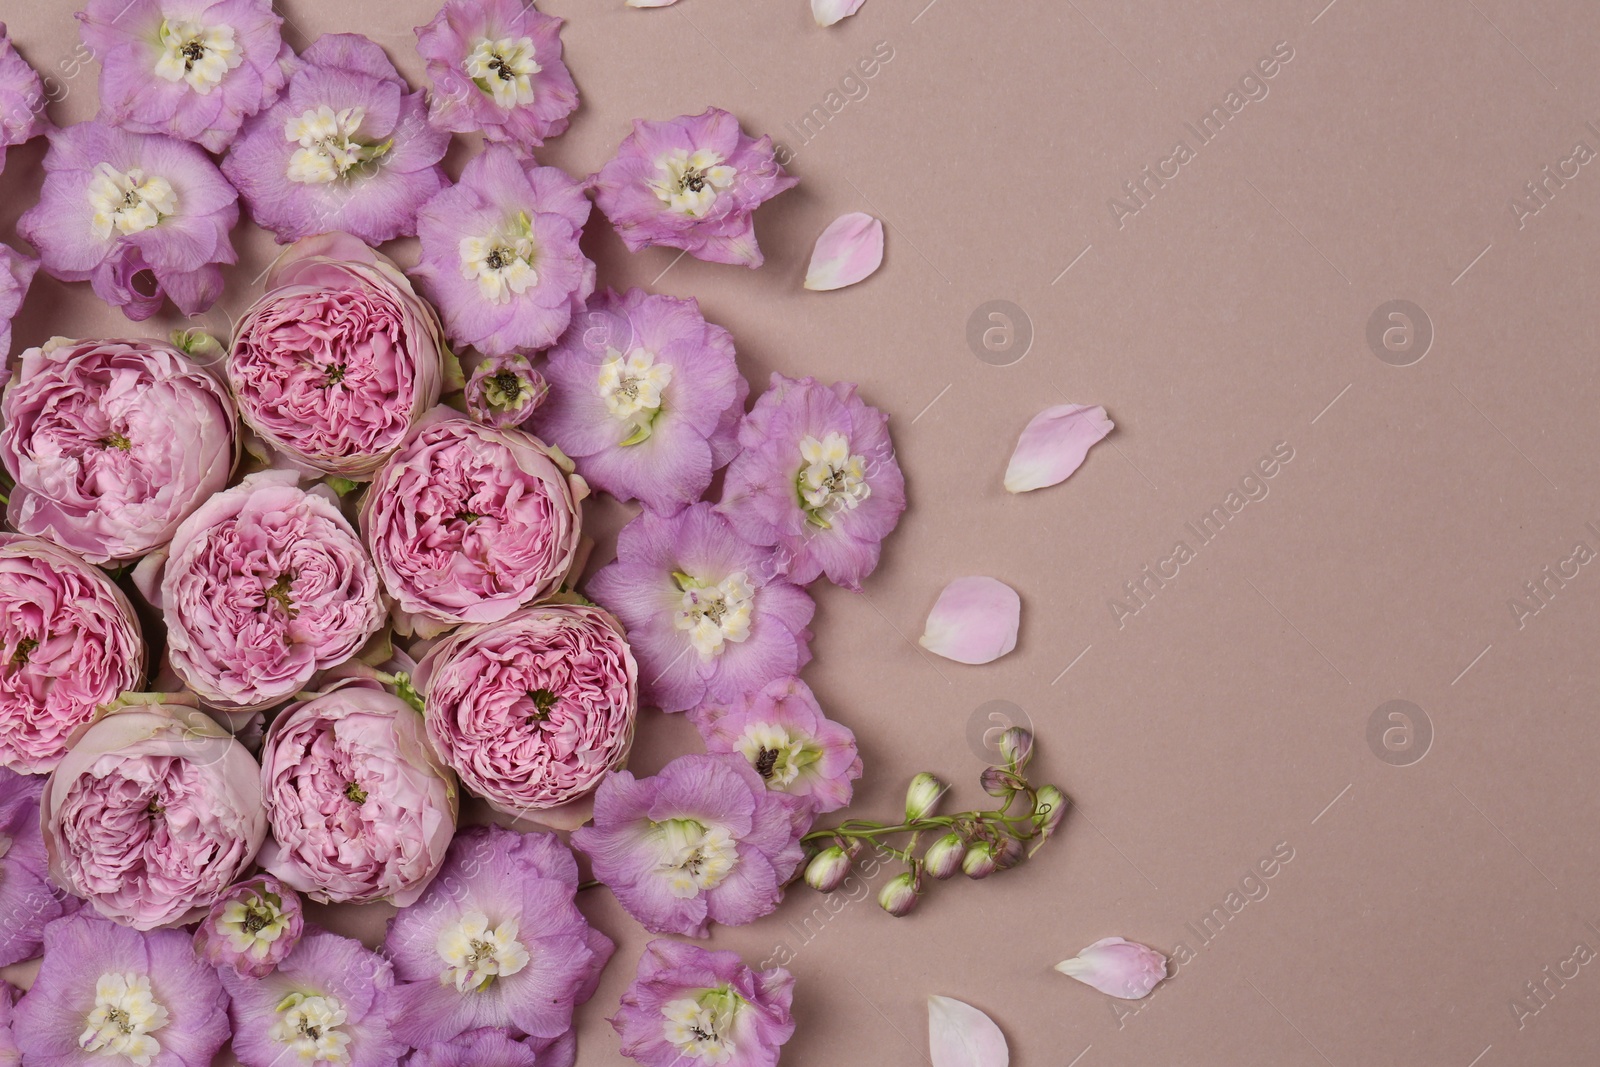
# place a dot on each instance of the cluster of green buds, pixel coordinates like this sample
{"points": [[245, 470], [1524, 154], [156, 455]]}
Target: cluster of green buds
{"points": [[974, 843]]}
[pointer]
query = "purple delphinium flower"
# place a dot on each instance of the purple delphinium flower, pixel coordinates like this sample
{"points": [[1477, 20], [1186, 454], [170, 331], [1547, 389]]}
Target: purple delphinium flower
{"points": [[495, 941], [783, 734], [477, 1048], [689, 1006], [22, 114], [10, 1055], [28, 899], [691, 183], [704, 841], [346, 147], [646, 397], [500, 256], [504, 391], [252, 928], [109, 990], [16, 274], [326, 1004], [139, 216], [496, 67], [706, 616], [192, 69], [816, 477]]}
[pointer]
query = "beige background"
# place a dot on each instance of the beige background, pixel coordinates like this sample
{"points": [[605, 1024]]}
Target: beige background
{"points": [[1230, 714]]}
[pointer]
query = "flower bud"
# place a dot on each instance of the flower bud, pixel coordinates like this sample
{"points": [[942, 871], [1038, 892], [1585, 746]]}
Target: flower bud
{"points": [[943, 857], [999, 782], [1008, 853], [827, 869], [979, 861], [1049, 807], [922, 797], [899, 896], [1016, 747]]}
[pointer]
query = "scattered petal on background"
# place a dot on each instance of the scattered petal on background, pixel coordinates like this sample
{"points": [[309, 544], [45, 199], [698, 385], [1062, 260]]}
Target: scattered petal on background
{"points": [[1121, 968], [651, 3], [1053, 445], [974, 621], [830, 11], [960, 1035], [848, 250]]}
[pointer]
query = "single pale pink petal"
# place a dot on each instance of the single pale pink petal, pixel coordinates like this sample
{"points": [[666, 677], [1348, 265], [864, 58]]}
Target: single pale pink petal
{"points": [[848, 250], [650, 3], [828, 12], [960, 1035], [974, 621], [1053, 445], [1121, 968]]}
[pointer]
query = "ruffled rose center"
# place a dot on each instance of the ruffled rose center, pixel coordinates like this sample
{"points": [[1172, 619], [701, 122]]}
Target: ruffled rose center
{"points": [[694, 857], [777, 756], [308, 1027], [501, 262], [125, 1015], [196, 54], [475, 954], [688, 182], [715, 614], [252, 925], [833, 478], [328, 148], [701, 1027], [631, 386], [504, 69], [126, 201]]}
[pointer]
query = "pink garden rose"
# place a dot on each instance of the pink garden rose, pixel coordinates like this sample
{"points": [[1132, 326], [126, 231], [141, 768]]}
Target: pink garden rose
{"points": [[360, 807], [503, 391], [152, 815], [338, 360], [467, 523], [70, 643], [532, 711], [261, 588], [252, 928], [112, 444]]}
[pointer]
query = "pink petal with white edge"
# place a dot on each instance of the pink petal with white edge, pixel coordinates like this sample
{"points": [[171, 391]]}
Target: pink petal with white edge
{"points": [[960, 1035], [1121, 968], [974, 621], [828, 12], [1053, 445], [848, 250]]}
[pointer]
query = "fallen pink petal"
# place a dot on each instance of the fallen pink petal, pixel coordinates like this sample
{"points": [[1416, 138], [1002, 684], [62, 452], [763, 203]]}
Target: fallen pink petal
{"points": [[974, 621], [828, 12], [850, 249], [1117, 967], [960, 1035], [650, 3], [1054, 444]]}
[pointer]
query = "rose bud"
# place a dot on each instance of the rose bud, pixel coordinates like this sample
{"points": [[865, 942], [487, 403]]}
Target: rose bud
{"points": [[979, 861], [922, 796], [252, 928], [999, 782], [1008, 853], [943, 857], [1121, 968], [1049, 806], [505, 390], [1016, 747], [827, 869], [899, 895]]}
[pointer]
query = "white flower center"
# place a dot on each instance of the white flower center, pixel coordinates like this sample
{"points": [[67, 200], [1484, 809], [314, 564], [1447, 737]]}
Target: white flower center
{"points": [[199, 55], [689, 181], [253, 926], [631, 386], [476, 955], [694, 857], [833, 479], [776, 756], [125, 1015], [328, 148], [700, 1027], [127, 201], [502, 262], [503, 69], [715, 614], [308, 1026]]}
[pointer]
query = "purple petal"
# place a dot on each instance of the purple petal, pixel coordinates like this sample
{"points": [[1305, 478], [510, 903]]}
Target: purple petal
{"points": [[960, 1035], [973, 621], [1053, 445]]}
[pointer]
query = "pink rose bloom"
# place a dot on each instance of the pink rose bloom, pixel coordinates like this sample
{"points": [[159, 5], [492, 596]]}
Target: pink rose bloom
{"points": [[468, 523], [112, 444], [532, 711], [503, 391], [360, 807], [261, 588], [154, 813], [70, 642], [338, 360], [252, 928]]}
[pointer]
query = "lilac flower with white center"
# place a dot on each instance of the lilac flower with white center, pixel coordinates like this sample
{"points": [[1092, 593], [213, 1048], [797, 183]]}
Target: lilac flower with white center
{"points": [[691, 183], [690, 1007], [22, 114], [783, 734], [817, 478], [28, 900], [704, 841], [496, 68], [192, 69], [706, 616], [500, 256], [476, 1048], [16, 274], [504, 391], [106, 992], [139, 216], [346, 147], [326, 1005], [646, 397], [495, 941]]}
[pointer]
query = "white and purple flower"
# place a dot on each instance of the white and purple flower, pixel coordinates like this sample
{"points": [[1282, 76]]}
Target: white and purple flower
{"points": [[22, 116], [28, 900], [477, 1048]]}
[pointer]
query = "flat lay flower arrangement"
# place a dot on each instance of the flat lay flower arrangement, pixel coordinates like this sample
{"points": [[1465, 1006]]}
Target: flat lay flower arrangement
{"points": [[272, 604]]}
